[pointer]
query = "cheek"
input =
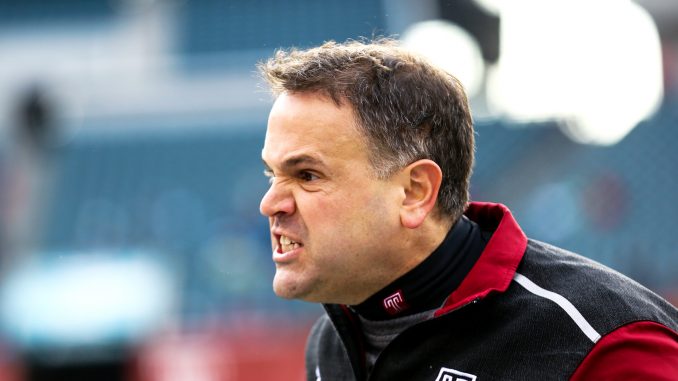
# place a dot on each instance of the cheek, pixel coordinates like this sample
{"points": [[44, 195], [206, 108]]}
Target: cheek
{"points": [[360, 218], [381, 209], [330, 222], [343, 212], [351, 216]]}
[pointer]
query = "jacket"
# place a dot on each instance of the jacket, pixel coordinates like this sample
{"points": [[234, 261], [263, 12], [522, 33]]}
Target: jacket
{"points": [[526, 311]]}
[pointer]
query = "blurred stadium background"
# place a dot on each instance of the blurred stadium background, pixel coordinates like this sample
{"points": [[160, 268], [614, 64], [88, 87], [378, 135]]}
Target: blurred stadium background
{"points": [[131, 247]]}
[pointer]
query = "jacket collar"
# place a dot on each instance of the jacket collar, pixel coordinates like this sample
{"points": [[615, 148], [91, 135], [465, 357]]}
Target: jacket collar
{"points": [[493, 271], [497, 265]]}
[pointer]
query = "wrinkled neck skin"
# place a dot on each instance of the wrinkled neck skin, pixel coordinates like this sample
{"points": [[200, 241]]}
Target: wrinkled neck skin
{"points": [[413, 246]]}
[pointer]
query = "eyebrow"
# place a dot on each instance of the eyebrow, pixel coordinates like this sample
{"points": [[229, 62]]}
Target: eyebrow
{"points": [[295, 161]]}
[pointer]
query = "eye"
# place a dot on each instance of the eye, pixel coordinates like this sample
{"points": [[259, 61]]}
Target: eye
{"points": [[269, 173], [307, 176]]}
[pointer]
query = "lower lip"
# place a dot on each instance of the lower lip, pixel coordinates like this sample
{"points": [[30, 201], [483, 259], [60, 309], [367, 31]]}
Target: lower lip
{"points": [[286, 257]]}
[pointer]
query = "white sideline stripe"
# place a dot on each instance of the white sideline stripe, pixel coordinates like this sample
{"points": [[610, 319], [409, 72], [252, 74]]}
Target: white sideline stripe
{"points": [[565, 304]]}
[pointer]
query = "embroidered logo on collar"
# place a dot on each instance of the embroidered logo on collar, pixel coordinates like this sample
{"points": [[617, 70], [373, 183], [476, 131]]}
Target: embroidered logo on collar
{"points": [[447, 374], [395, 304]]}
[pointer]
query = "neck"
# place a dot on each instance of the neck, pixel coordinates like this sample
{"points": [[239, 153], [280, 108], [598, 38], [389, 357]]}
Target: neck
{"points": [[426, 285], [420, 243], [410, 249]]}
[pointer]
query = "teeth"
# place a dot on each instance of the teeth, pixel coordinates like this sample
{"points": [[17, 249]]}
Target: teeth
{"points": [[285, 240], [286, 244]]}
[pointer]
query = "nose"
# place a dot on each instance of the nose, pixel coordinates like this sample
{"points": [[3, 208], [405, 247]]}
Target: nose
{"points": [[277, 200]]}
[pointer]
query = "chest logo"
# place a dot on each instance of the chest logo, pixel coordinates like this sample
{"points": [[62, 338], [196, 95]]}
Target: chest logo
{"points": [[395, 304], [447, 374]]}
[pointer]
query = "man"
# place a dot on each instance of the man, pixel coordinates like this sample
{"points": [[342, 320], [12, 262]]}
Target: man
{"points": [[369, 150]]}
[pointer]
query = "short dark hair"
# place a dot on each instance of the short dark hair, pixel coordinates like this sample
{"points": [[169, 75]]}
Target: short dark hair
{"points": [[406, 108]]}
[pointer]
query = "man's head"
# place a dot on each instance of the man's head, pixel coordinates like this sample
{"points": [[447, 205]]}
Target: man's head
{"points": [[369, 149], [405, 108]]}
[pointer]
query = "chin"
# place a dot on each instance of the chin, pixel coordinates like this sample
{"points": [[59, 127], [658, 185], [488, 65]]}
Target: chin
{"points": [[285, 289], [283, 295]]}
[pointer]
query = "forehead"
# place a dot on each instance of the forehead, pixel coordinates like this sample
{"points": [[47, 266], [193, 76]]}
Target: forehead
{"points": [[309, 124]]}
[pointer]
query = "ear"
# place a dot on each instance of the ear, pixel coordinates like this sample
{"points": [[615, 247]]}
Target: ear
{"points": [[421, 181]]}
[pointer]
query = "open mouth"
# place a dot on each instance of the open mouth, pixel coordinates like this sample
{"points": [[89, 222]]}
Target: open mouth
{"points": [[286, 244]]}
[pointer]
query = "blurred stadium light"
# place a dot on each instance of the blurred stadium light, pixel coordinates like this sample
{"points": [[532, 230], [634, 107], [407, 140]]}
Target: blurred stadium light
{"points": [[548, 52], [597, 66], [128, 297], [451, 48]]}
